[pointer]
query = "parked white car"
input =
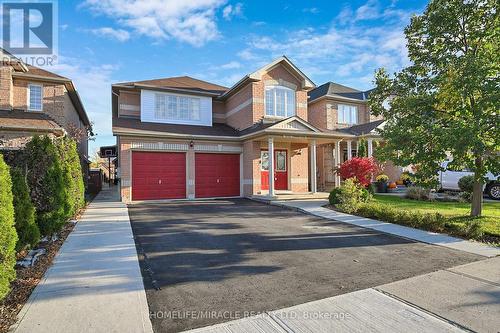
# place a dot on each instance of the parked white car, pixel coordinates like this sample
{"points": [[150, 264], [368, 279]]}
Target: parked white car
{"points": [[448, 180]]}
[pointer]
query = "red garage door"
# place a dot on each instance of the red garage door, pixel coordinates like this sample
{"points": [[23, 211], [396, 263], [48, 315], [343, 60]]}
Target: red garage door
{"points": [[217, 175], [158, 176]]}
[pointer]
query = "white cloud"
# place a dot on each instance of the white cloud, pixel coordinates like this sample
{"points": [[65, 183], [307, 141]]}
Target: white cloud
{"points": [[118, 34], [312, 10], [230, 65], [231, 11], [348, 51], [247, 55], [193, 21], [93, 84], [369, 11]]}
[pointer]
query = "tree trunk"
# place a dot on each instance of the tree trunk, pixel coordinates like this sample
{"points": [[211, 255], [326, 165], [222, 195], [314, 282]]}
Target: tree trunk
{"points": [[477, 199]]}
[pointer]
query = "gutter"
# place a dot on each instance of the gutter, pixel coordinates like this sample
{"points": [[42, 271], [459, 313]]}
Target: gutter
{"points": [[59, 130], [232, 138], [338, 97], [167, 89]]}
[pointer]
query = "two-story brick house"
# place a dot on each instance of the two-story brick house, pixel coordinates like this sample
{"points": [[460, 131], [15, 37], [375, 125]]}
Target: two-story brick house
{"points": [[334, 107], [34, 101], [185, 138]]}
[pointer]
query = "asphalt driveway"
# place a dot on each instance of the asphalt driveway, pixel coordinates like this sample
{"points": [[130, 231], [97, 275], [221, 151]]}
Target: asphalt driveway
{"points": [[214, 261]]}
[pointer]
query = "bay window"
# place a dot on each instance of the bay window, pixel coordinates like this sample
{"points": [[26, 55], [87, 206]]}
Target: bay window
{"points": [[347, 114], [280, 101]]}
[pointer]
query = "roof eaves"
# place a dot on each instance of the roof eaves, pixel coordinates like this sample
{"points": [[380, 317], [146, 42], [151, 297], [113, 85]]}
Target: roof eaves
{"points": [[335, 96], [171, 89]]}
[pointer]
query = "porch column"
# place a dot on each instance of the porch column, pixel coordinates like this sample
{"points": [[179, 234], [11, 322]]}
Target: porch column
{"points": [[337, 163], [314, 187], [271, 166], [349, 149], [370, 147]]}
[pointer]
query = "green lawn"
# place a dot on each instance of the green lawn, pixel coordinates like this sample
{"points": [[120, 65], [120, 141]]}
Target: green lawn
{"points": [[458, 213]]}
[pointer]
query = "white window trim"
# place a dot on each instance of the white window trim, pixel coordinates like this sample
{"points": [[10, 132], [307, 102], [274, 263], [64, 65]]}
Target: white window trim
{"points": [[344, 122], [28, 101], [275, 105]]}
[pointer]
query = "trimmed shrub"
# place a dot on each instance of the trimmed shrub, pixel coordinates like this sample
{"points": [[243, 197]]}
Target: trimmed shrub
{"points": [[418, 193], [360, 168], [427, 221], [334, 196], [73, 176], [351, 195], [46, 180], [8, 236], [466, 184], [24, 212]]}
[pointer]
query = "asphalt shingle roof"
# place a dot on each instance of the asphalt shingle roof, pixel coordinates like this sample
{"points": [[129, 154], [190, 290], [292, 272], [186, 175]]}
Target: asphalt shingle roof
{"points": [[335, 89]]}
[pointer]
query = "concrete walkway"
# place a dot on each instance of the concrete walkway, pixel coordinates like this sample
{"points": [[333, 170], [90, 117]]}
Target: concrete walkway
{"points": [[461, 299], [315, 207], [95, 283]]}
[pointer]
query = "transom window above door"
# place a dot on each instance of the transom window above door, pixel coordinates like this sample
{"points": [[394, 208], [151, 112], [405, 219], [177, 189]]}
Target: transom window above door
{"points": [[280, 101], [347, 114]]}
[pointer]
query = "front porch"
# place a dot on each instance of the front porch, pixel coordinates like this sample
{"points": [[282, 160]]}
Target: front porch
{"points": [[289, 196]]}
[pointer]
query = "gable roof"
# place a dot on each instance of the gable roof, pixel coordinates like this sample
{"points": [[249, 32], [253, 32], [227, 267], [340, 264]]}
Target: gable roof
{"points": [[306, 83], [335, 90], [186, 83], [8, 59]]}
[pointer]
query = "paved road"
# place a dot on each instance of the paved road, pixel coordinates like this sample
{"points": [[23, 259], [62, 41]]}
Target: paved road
{"points": [[213, 261]]}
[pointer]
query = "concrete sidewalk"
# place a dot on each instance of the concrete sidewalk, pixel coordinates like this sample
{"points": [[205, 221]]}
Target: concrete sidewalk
{"points": [[95, 283], [461, 299], [315, 207]]}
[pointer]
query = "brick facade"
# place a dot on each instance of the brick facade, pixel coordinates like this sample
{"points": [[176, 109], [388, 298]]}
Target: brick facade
{"points": [[240, 109], [323, 113], [56, 103]]}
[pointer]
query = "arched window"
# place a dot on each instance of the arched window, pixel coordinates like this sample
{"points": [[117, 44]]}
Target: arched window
{"points": [[280, 101]]}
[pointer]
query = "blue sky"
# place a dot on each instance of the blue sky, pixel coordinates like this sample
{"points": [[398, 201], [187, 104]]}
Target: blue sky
{"points": [[107, 41]]}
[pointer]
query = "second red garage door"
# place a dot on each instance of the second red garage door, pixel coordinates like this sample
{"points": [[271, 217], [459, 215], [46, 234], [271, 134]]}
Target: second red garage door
{"points": [[158, 175], [217, 175]]}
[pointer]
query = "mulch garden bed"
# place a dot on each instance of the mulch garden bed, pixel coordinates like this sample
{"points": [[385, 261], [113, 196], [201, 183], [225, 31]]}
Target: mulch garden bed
{"points": [[27, 278]]}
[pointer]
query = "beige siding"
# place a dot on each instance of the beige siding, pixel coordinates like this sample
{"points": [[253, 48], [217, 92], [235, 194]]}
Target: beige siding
{"points": [[129, 104]]}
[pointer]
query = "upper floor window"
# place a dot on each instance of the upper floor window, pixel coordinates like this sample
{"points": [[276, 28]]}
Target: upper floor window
{"points": [[280, 101], [35, 97], [347, 114], [172, 107]]}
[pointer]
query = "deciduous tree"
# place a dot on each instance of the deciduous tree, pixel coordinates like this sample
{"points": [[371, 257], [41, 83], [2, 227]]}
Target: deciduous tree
{"points": [[447, 101]]}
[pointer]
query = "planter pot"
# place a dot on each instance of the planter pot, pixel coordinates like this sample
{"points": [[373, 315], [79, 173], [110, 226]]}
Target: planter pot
{"points": [[381, 187]]}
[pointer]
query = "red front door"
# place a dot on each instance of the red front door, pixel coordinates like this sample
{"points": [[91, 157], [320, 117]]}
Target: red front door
{"points": [[280, 169], [217, 175], [158, 175]]}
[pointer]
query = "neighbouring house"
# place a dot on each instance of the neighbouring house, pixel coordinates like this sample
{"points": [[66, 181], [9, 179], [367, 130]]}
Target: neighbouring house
{"points": [[337, 108], [34, 101], [180, 137]]}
